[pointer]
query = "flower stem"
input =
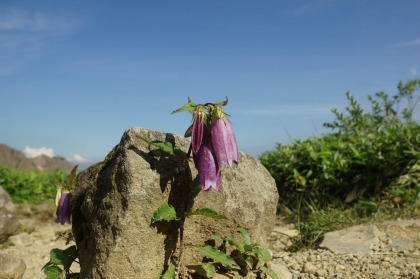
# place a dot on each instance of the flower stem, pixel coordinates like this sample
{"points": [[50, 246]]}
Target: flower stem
{"points": [[186, 205]]}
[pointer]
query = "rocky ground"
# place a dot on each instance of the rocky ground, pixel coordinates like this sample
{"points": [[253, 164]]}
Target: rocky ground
{"points": [[35, 240], [389, 249]]}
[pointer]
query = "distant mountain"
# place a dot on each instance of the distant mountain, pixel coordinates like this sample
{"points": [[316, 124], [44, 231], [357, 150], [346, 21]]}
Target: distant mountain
{"points": [[17, 160], [44, 162], [14, 158]]}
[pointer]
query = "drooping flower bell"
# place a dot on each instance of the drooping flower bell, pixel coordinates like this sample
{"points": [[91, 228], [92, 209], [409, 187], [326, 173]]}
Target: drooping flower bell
{"points": [[198, 128], [208, 170], [223, 139], [62, 201], [62, 198]]}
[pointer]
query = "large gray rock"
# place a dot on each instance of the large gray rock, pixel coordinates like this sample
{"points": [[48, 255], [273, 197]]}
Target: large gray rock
{"points": [[8, 218], [353, 240], [12, 266], [114, 202]]}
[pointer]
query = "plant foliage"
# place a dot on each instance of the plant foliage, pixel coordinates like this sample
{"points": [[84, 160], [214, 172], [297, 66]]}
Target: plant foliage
{"points": [[369, 163], [230, 256], [363, 158], [34, 187]]}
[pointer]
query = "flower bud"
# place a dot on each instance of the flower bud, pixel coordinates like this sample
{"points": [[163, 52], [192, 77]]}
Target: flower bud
{"points": [[197, 129]]}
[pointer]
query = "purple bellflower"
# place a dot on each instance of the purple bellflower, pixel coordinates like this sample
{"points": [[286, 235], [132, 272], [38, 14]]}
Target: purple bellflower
{"points": [[208, 170], [62, 201], [62, 198], [197, 129], [223, 139]]}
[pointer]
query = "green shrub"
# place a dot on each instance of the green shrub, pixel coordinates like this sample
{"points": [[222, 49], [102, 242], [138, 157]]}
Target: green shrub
{"points": [[34, 187], [367, 157]]}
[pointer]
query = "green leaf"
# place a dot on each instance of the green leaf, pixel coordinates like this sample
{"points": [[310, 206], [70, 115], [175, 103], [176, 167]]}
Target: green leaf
{"points": [[170, 273], [71, 252], [54, 272], [248, 247], [216, 255], [245, 236], [206, 270], [63, 257], [268, 271], [261, 254], [206, 212], [217, 238], [195, 185], [165, 146], [190, 106], [249, 261], [236, 274], [233, 241], [165, 212]]}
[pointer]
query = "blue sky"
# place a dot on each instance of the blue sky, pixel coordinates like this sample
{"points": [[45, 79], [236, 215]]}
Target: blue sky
{"points": [[74, 75]]}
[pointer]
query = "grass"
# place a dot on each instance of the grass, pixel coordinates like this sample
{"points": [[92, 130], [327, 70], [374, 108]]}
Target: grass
{"points": [[366, 169], [33, 187], [312, 226]]}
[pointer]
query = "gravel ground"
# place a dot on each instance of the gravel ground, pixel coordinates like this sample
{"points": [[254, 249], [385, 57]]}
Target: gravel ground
{"points": [[383, 262], [39, 238]]}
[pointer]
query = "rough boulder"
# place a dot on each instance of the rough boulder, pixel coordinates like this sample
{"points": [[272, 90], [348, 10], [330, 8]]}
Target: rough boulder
{"points": [[114, 202]]}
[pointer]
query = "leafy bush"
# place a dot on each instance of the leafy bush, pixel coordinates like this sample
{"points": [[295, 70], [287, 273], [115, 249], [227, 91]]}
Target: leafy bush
{"points": [[368, 157], [34, 187]]}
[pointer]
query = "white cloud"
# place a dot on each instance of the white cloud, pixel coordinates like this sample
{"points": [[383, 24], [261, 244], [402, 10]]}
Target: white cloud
{"points": [[415, 42], [312, 109], [33, 152], [414, 71], [17, 19], [80, 160], [25, 36]]}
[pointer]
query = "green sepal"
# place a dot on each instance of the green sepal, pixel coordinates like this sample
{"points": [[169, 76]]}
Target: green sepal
{"points": [[221, 104], [165, 146], [205, 270], [188, 132], [170, 272], [165, 212], [268, 271], [190, 107], [71, 177], [206, 212], [218, 256], [245, 236]]}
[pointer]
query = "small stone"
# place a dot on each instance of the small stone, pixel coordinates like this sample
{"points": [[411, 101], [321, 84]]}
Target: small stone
{"points": [[309, 268], [280, 270], [22, 239], [321, 272], [11, 265], [374, 267]]}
